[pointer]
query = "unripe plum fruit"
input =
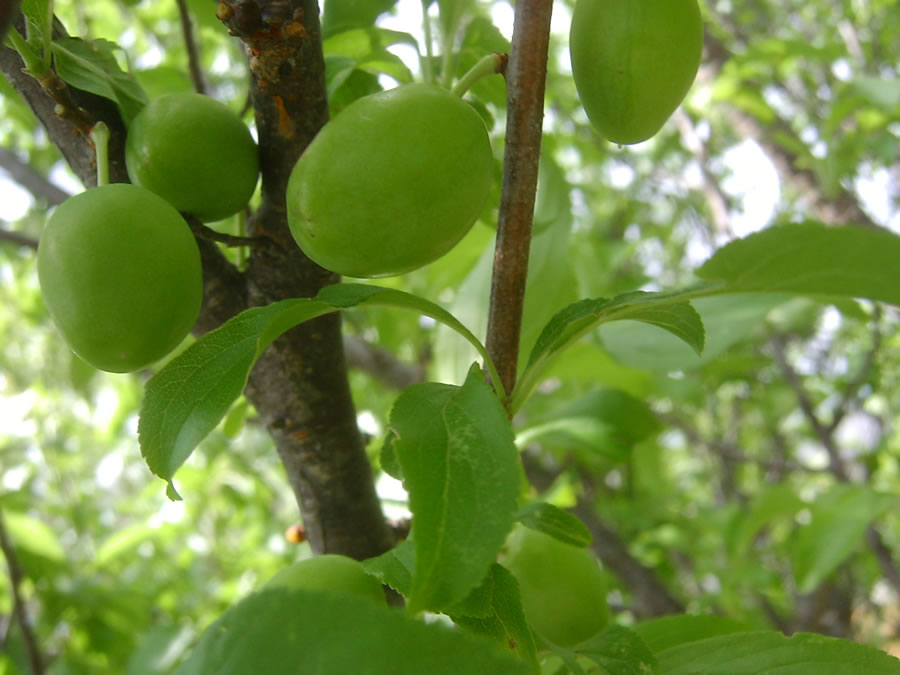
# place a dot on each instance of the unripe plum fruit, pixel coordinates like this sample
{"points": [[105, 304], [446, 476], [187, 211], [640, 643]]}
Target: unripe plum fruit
{"points": [[195, 153], [120, 274], [392, 183], [329, 572], [633, 62], [562, 586]]}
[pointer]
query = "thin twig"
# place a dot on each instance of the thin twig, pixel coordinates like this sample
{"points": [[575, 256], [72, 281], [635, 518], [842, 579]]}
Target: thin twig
{"points": [[193, 52], [526, 75], [35, 658], [17, 238], [202, 231], [848, 398], [835, 465]]}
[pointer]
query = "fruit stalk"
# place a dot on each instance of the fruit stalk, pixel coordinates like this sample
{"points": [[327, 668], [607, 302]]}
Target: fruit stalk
{"points": [[526, 74], [100, 138]]}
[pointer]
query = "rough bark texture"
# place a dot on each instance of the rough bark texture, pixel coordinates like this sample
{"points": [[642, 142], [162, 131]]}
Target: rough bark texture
{"points": [[300, 386]]}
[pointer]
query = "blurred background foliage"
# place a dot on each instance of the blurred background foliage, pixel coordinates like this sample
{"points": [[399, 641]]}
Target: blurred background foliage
{"points": [[758, 481]]}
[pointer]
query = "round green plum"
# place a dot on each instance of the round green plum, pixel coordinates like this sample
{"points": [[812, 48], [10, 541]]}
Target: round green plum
{"points": [[121, 276], [195, 153], [392, 183], [562, 586], [633, 62], [329, 572]]}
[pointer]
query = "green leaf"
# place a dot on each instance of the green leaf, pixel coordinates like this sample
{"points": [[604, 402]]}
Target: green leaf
{"points": [[346, 14], [772, 503], [576, 320], [839, 522], [187, 399], [505, 620], [811, 258], [727, 321], [773, 653], [552, 520], [620, 651], [351, 295], [395, 567], [92, 66], [300, 631], [670, 631], [32, 535], [461, 469]]}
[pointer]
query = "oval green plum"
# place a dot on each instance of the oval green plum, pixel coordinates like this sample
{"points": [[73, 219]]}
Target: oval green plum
{"points": [[195, 153], [121, 276], [633, 62], [562, 586], [392, 183]]}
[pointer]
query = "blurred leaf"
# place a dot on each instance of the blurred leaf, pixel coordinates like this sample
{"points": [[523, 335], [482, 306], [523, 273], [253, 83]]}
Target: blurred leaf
{"points": [[839, 522], [620, 651], [342, 15], [31, 535], [299, 631], [461, 469], [770, 652], [559, 524], [727, 320], [774, 502], [670, 631], [160, 649], [813, 259]]}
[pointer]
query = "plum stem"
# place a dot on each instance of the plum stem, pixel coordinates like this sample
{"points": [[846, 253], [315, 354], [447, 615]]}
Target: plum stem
{"points": [[526, 75], [492, 64], [100, 137]]}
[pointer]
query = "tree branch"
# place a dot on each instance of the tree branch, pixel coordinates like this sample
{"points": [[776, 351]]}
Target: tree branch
{"points": [[39, 187], [193, 52], [300, 385], [526, 75], [17, 237], [35, 658]]}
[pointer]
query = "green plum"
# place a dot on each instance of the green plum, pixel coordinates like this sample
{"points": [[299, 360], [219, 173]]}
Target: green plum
{"points": [[392, 183], [120, 274], [562, 586], [195, 153], [633, 62]]}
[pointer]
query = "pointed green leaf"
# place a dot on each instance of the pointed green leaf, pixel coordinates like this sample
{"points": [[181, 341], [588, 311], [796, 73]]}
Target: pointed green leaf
{"points": [[187, 399], [505, 620], [461, 469], [811, 258], [568, 325]]}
